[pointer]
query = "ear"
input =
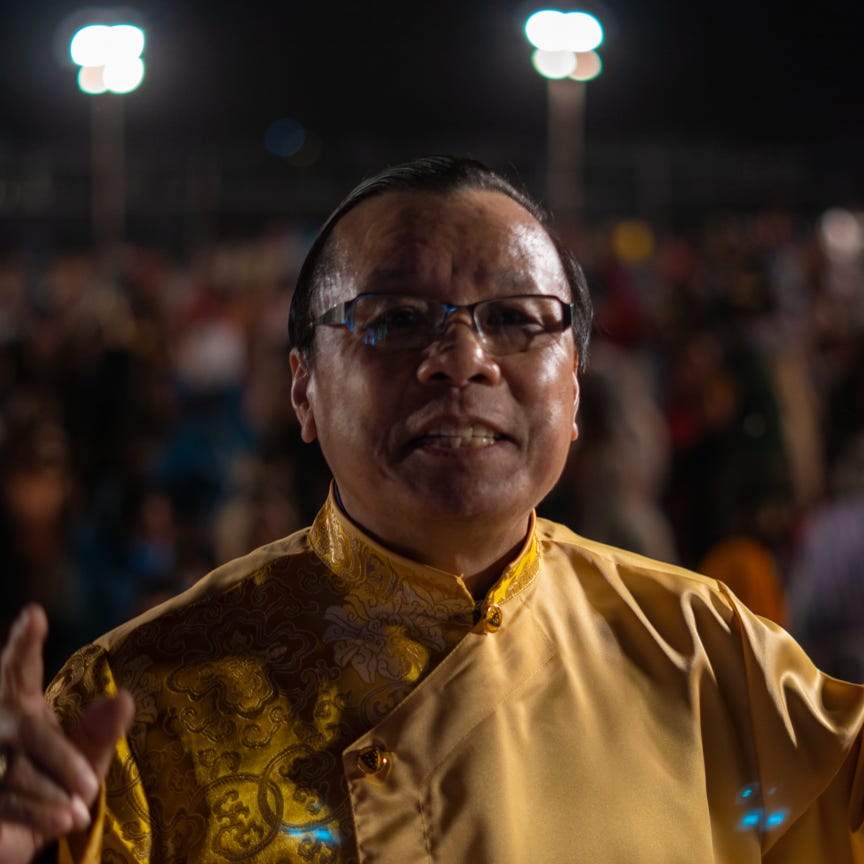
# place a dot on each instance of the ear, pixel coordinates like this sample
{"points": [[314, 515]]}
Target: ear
{"points": [[574, 432], [302, 395]]}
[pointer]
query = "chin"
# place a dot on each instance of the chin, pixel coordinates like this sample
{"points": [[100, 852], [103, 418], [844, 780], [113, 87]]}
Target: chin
{"points": [[466, 499]]}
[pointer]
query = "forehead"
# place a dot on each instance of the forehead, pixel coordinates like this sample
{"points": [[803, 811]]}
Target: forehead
{"points": [[471, 242]]}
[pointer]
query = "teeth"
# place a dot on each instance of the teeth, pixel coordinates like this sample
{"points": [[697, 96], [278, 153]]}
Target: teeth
{"points": [[462, 436]]}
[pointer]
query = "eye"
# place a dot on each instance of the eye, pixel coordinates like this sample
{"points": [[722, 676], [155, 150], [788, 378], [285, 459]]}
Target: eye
{"points": [[397, 318], [507, 314], [390, 319]]}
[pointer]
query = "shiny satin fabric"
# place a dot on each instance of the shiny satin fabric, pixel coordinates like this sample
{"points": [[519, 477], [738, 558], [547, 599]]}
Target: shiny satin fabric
{"points": [[322, 700]]}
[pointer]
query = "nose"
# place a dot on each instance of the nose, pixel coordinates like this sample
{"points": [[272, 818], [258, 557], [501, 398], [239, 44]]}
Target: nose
{"points": [[458, 357]]}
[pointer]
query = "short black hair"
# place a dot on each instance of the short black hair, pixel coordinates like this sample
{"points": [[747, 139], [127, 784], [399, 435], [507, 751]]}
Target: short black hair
{"points": [[440, 174]]}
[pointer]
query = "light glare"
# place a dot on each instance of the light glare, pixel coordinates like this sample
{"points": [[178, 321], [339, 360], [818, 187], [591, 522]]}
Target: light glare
{"points": [[123, 76], [554, 64], [581, 32], [89, 45], [127, 40], [110, 57], [550, 30], [542, 29]]}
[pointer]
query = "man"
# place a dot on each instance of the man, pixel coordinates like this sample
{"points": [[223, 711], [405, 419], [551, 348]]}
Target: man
{"points": [[429, 672]]}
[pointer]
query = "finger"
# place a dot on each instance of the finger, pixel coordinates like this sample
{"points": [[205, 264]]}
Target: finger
{"points": [[48, 819], [31, 799], [53, 755], [21, 666], [27, 779], [102, 724]]}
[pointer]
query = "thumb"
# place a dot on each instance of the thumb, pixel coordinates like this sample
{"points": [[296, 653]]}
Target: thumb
{"points": [[21, 666], [102, 724]]}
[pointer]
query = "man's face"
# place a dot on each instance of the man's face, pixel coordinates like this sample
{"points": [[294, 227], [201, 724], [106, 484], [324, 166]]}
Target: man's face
{"points": [[450, 434]]}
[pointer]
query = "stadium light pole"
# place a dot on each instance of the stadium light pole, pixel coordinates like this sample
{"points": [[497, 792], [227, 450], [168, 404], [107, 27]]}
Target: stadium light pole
{"points": [[110, 66], [565, 56]]}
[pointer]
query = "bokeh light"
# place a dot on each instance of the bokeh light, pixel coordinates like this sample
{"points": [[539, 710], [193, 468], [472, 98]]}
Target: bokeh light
{"points": [[290, 140], [109, 56], [588, 66], [285, 137], [91, 79], [89, 44], [127, 40], [841, 233], [551, 30], [554, 64], [633, 240], [123, 76]]}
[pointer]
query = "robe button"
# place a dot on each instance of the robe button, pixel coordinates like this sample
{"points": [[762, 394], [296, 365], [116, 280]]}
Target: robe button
{"points": [[494, 617], [374, 760]]}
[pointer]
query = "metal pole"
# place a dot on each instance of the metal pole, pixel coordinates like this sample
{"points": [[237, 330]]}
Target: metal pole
{"points": [[566, 111], [108, 177]]}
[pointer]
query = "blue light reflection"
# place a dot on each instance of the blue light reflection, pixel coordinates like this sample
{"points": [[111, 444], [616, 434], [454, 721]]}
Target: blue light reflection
{"points": [[322, 835], [759, 817]]}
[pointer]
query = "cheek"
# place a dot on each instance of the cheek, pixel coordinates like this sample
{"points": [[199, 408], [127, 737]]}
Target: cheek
{"points": [[554, 385], [554, 398], [352, 411]]}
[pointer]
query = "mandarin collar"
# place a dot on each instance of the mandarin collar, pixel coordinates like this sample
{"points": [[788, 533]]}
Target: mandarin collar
{"points": [[353, 555]]}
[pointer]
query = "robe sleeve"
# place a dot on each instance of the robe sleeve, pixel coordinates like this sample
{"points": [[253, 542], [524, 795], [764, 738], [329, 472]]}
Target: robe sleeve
{"points": [[120, 831], [806, 729]]}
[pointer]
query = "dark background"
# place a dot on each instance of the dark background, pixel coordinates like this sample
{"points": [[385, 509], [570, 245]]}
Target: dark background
{"points": [[736, 105]]}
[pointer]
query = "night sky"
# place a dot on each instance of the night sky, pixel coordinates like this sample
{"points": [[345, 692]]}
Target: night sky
{"points": [[770, 74]]}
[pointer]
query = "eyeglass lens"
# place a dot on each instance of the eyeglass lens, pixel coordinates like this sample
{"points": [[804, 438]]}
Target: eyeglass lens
{"points": [[504, 325]]}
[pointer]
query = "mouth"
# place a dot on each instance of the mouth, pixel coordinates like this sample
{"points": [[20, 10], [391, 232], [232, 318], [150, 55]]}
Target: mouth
{"points": [[455, 437]]}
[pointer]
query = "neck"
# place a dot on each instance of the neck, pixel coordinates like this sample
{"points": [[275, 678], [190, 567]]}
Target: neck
{"points": [[480, 566], [478, 553]]}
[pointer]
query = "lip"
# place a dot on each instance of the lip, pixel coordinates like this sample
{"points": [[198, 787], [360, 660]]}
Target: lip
{"points": [[449, 433]]}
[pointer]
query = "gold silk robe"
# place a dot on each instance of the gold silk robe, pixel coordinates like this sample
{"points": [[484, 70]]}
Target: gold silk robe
{"points": [[324, 700]]}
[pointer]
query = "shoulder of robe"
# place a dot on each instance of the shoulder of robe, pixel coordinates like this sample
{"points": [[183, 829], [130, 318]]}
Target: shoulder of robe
{"points": [[93, 669]]}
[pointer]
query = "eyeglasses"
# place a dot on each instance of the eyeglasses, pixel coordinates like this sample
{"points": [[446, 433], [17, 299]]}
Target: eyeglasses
{"points": [[504, 325]]}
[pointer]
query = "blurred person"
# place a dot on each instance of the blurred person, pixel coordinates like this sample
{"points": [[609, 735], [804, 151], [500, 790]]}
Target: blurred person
{"points": [[841, 381], [611, 484], [749, 568], [260, 508], [36, 501], [149, 564], [208, 435], [431, 672], [211, 429], [730, 473], [825, 588]]}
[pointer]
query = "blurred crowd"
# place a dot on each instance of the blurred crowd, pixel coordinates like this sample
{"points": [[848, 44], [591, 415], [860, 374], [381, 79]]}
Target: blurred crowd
{"points": [[146, 432]]}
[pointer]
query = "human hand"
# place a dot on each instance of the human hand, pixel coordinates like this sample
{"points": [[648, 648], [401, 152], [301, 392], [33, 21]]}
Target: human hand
{"points": [[50, 780]]}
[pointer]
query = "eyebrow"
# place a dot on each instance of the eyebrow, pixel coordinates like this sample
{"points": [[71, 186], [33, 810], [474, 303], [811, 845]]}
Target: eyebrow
{"points": [[505, 278]]}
